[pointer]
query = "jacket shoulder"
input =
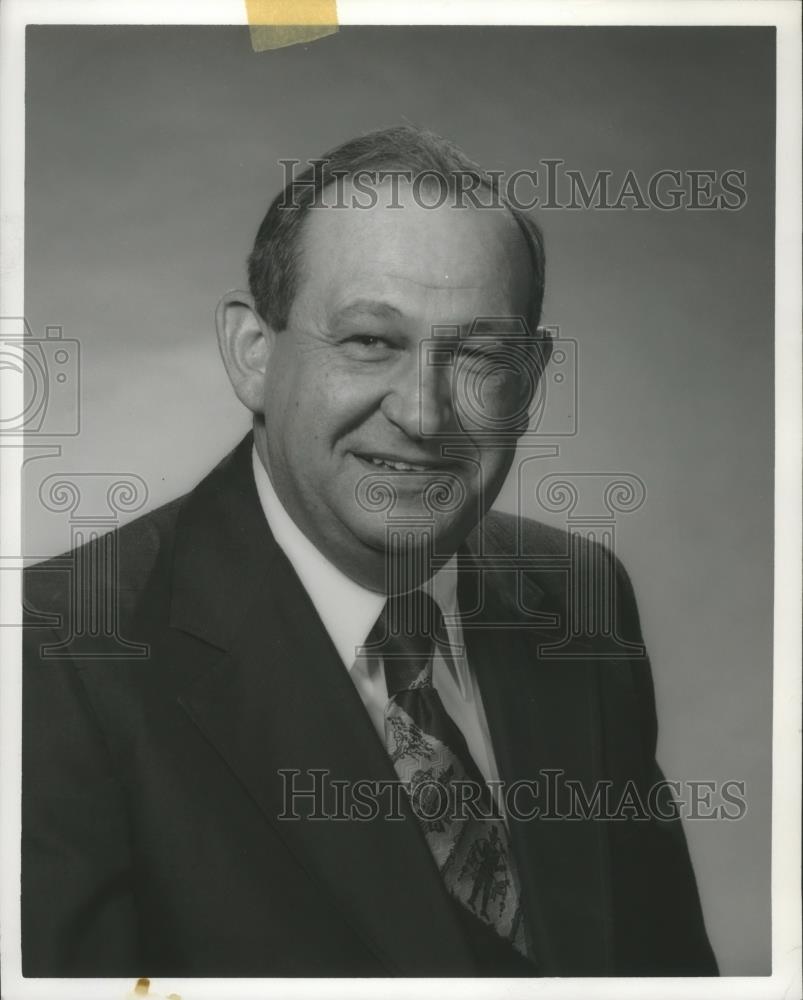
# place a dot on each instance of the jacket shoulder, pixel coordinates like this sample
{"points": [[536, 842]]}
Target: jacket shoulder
{"points": [[511, 534], [558, 560], [123, 558]]}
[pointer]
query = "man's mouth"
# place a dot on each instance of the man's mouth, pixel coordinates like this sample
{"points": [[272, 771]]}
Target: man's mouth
{"points": [[398, 465]]}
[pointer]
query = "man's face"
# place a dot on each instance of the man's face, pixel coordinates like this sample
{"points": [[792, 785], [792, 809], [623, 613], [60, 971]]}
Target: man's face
{"points": [[361, 434]]}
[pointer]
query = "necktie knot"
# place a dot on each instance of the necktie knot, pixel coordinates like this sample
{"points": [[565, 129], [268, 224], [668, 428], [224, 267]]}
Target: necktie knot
{"points": [[404, 636]]}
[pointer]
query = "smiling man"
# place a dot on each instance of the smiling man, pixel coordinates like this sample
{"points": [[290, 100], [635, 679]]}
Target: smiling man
{"points": [[338, 388], [346, 653]]}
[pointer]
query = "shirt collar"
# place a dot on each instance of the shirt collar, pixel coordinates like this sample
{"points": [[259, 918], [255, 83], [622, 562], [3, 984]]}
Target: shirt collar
{"points": [[347, 610]]}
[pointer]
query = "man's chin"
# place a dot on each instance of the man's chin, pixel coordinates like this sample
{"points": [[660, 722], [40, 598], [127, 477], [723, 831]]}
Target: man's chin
{"points": [[385, 539]]}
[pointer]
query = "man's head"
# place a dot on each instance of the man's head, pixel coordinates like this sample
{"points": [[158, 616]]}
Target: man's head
{"points": [[367, 418]]}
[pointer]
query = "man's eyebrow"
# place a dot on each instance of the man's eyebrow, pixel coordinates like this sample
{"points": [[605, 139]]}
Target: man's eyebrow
{"points": [[362, 307]]}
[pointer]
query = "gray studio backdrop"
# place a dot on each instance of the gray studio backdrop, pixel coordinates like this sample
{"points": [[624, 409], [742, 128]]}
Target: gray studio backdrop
{"points": [[151, 156]]}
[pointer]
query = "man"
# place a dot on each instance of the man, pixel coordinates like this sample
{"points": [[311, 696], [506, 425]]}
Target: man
{"points": [[334, 609]]}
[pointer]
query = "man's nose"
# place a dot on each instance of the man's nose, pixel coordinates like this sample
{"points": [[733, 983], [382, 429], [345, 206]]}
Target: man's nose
{"points": [[419, 401]]}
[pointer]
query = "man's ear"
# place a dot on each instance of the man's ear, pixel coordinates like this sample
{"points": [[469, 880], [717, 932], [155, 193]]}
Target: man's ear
{"points": [[245, 342]]}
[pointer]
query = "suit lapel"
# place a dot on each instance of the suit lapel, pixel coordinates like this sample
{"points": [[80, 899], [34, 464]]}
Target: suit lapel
{"points": [[279, 699], [543, 715]]}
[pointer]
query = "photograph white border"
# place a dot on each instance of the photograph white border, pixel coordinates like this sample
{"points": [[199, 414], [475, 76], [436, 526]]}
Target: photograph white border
{"points": [[787, 694]]}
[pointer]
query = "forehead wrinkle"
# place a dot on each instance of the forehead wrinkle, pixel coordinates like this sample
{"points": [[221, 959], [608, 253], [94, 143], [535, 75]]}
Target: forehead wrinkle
{"points": [[427, 284], [375, 307]]}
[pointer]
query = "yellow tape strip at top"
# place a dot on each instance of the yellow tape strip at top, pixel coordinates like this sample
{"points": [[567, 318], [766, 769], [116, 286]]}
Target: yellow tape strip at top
{"points": [[277, 23]]}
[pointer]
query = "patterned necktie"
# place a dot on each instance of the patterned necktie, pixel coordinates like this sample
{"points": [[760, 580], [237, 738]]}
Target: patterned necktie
{"points": [[471, 846]]}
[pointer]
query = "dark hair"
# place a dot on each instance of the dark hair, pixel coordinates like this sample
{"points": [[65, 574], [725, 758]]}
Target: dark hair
{"points": [[273, 261]]}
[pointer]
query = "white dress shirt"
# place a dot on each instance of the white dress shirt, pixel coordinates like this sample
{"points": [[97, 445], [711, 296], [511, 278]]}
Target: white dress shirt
{"points": [[349, 611]]}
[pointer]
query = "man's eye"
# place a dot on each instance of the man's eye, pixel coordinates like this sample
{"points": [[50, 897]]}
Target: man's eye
{"points": [[486, 353], [367, 346]]}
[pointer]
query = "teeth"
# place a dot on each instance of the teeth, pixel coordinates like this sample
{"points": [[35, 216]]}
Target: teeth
{"points": [[398, 466]]}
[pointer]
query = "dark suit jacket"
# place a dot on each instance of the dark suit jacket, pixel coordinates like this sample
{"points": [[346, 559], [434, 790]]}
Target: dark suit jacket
{"points": [[162, 698]]}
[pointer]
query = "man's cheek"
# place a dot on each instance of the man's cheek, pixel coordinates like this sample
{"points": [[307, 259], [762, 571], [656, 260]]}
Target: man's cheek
{"points": [[348, 399]]}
